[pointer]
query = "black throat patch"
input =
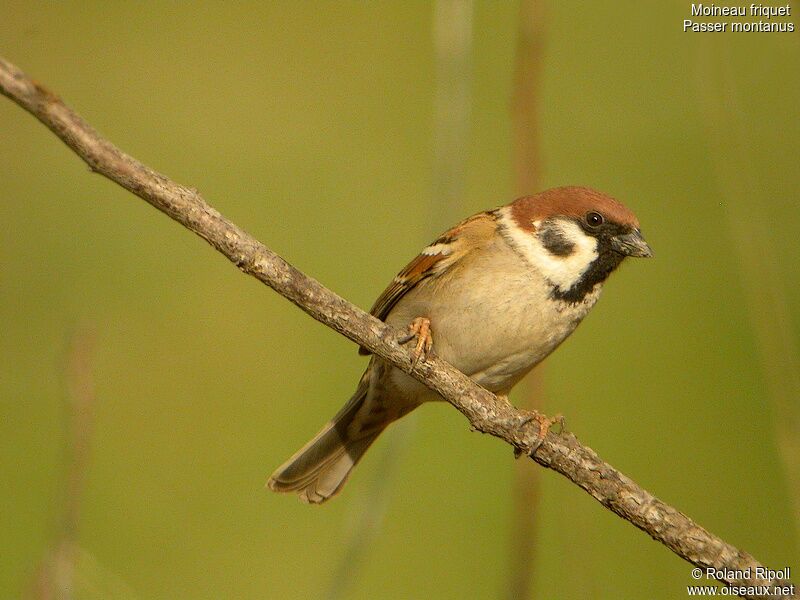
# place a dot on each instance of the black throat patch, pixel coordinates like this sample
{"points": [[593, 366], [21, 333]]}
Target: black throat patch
{"points": [[598, 271]]}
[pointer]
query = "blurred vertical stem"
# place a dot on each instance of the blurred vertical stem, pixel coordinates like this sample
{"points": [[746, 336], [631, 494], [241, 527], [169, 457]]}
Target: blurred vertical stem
{"points": [[452, 37], [366, 514], [527, 172], [55, 579], [752, 240]]}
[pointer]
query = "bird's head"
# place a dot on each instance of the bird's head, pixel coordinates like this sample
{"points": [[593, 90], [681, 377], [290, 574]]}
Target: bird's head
{"points": [[574, 236]]}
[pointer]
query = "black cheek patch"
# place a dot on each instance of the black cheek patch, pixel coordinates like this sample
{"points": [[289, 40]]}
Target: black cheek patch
{"points": [[554, 241]]}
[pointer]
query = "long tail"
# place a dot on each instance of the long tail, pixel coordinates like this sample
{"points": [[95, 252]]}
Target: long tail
{"points": [[320, 468]]}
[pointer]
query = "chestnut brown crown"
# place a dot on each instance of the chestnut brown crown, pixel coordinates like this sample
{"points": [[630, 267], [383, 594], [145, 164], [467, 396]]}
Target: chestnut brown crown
{"points": [[571, 201]]}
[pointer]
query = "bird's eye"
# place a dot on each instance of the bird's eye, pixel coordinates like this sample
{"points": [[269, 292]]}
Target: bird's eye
{"points": [[594, 219]]}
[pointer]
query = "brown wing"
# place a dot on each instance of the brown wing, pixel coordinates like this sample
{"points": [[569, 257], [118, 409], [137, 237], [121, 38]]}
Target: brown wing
{"points": [[442, 253]]}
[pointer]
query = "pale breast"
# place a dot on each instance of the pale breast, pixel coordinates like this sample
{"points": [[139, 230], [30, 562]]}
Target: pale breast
{"points": [[492, 318]]}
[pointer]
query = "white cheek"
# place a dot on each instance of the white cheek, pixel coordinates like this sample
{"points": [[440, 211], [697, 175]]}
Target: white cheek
{"points": [[561, 271], [565, 271]]}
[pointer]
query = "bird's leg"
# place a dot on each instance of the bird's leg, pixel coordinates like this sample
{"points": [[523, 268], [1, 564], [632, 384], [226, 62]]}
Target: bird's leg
{"points": [[419, 328], [545, 423]]}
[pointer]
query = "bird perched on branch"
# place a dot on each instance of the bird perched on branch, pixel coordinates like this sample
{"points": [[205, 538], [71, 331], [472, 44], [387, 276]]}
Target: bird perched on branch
{"points": [[493, 296]]}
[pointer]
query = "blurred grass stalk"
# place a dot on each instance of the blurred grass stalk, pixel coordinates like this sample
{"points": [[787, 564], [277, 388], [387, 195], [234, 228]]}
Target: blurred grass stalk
{"points": [[527, 173], [55, 579], [761, 278], [68, 571], [367, 512], [452, 40]]}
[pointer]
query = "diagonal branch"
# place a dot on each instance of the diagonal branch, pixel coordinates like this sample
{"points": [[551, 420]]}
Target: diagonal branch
{"points": [[485, 412]]}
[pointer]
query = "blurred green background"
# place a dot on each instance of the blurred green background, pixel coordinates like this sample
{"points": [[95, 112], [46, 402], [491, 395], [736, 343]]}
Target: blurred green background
{"points": [[310, 124]]}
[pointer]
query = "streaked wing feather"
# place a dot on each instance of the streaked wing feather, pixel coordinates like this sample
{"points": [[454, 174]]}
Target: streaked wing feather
{"points": [[432, 261], [422, 267]]}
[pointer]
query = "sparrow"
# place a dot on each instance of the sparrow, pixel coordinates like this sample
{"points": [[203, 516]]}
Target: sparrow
{"points": [[493, 296]]}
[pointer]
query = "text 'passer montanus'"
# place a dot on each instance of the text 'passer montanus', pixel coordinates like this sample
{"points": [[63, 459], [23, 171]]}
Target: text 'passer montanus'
{"points": [[493, 296]]}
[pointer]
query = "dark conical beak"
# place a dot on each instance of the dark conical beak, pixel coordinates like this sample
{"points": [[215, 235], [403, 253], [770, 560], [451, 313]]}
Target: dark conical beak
{"points": [[631, 244]]}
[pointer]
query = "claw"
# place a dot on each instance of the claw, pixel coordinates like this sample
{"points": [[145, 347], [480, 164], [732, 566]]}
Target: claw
{"points": [[545, 423], [419, 328]]}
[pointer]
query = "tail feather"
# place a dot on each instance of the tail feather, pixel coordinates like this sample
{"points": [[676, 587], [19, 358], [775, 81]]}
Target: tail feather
{"points": [[319, 469]]}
